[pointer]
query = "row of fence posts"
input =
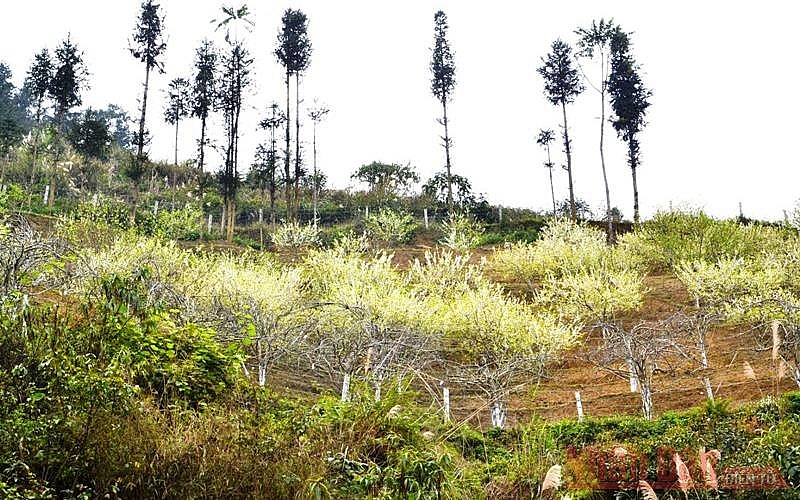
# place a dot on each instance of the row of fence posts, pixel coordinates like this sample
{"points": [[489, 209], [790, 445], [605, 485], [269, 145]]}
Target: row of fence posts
{"points": [[425, 217]]}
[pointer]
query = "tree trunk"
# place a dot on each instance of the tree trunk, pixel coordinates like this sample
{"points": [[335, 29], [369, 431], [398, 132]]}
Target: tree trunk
{"points": [[177, 121], [633, 376], [262, 364], [610, 236], [231, 214], [632, 155], [272, 167], [703, 348], [35, 151], [202, 144], [647, 400], [314, 180], [447, 157], [498, 410], [572, 211], [287, 162], [552, 189], [140, 147], [709, 389], [297, 141]]}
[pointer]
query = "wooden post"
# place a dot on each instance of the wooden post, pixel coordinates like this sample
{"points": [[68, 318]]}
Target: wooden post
{"points": [[425, 215], [210, 221]]}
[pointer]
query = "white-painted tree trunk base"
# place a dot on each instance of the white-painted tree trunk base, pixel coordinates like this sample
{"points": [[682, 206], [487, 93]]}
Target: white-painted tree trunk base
{"points": [[709, 389], [647, 402], [498, 413], [634, 379]]}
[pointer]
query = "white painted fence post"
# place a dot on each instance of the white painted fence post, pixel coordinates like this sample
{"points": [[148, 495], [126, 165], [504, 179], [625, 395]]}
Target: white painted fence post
{"points": [[210, 221], [425, 215], [446, 400], [579, 405], [46, 195], [345, 387]]}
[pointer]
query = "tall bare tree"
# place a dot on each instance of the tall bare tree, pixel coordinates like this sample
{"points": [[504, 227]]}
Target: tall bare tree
{"points": [[268, 161], [317, 114], [235, 78], [37, 84], [178, 104], [544, 139], [442, 84], [204, 92], [561, 85], [69, 79], [148, 46], [294, 54], [596, 41], [629, 100]]}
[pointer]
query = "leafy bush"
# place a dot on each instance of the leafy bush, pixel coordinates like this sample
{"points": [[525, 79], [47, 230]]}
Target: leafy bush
{"points": [[183, 224], [11, 196], [106, 211], [564, 248], [295, 235], [389, 226], [350, 243], [672, 237], [461, 232]]}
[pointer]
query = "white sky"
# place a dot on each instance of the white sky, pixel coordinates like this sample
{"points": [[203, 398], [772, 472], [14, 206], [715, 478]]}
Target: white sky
{"points": [[721, 125]]}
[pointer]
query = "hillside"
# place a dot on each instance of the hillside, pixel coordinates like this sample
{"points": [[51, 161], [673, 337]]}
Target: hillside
{"points": [[602, 394]]}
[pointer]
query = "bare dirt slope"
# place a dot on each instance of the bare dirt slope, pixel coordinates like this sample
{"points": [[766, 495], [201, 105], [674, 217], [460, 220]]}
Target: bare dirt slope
{"points": [[603, 394]]}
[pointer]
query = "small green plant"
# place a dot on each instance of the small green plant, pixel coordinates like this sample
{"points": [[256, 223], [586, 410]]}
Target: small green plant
{"points": [[351, 243], [11, 196], [389, 226], [183, 224], [461, 232], [295, 235]]}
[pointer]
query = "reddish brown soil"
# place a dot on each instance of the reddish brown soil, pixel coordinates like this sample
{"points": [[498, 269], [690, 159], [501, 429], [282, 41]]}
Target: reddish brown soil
{"points": [[603, 394]]}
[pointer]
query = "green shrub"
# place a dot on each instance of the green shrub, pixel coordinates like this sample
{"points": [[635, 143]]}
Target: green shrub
{"points": [[792, 403], [295, 235], [389, 226], [672, 237], [461, 232], [183, 224], [11, 196], [103, 211]]}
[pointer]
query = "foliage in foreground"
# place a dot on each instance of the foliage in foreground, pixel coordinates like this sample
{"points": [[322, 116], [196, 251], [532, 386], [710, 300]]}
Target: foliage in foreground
{"points": [[130, 405]]}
